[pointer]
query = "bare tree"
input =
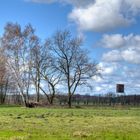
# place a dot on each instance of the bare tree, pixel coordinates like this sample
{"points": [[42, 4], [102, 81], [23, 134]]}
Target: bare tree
{"points": [[44, 73], [17, 45], [72, 61], [3, 77], [36, 60], [49, 75]]}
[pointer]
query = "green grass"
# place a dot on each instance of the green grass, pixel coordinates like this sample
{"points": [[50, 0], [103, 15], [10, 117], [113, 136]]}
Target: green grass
{"points": [[18, 123]]}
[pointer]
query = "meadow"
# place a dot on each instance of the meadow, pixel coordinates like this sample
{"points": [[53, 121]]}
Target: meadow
{"points": [[101, 123]]}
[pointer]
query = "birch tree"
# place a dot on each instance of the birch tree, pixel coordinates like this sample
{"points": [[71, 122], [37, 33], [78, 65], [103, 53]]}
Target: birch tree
{"points": [[17, 44]]}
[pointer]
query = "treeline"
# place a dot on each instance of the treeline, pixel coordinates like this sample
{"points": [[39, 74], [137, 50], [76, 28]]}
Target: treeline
{"points": [[133, 100], [29, 65], [79, 100]]}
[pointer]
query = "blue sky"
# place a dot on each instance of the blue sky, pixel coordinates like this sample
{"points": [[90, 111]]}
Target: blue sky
{"points": [[110, 29]]}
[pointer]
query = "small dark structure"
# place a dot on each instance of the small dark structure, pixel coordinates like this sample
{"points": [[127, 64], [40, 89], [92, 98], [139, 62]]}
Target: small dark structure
{"points": [[120, 88]]}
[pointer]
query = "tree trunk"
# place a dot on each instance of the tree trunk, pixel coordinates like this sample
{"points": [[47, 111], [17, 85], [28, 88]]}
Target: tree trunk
{"points": [[51, 100], [53, 94], [69, 101], [38, 96], [38, 86]]}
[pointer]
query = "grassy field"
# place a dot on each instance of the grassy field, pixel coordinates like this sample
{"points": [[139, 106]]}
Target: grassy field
{"points": [[18, 123]]}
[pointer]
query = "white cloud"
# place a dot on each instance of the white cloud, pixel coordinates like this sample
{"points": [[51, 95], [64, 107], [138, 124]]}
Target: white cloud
{"points": [[119, 41], [121, 73], [132, 56], [100, 15], [121, 61], [134, 5], [98, 88], [112, 41], [104, 15], [112, 56], [132, 72], [98, 79], [128, 48], [108, 68]]}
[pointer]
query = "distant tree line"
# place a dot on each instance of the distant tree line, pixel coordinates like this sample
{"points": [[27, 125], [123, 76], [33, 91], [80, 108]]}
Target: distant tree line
{"points": [[79, 100], [92, 100], [30, 67]]}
